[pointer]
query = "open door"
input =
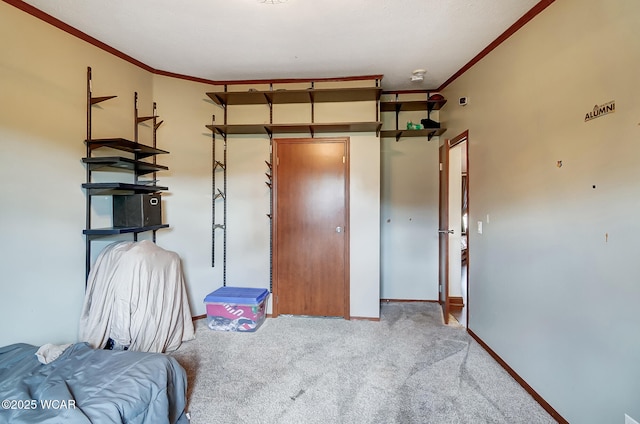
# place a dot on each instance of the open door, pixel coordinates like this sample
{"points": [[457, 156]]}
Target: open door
{"points": [[443, 231]]}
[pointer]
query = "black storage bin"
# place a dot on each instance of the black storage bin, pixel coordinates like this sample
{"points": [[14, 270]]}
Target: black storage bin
{"points": [[429, 123], [137, 210]]}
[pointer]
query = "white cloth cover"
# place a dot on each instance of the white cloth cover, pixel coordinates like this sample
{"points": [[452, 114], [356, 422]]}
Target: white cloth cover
{"points": [[50, 352], [136, 296]]}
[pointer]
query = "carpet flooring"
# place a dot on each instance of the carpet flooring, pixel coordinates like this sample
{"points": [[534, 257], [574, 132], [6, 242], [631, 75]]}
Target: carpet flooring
{"points": [[407, 368]]}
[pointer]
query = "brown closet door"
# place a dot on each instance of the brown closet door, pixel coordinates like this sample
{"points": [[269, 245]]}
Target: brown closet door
{"points": [[310, 227]]}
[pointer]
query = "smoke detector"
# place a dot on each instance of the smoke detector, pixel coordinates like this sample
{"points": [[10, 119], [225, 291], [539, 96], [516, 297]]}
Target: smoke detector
{"points": [[418, 75]]}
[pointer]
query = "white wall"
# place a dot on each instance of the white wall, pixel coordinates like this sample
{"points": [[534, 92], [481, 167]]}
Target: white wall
{"points": [[364, 218], [455, 217], [553, 284], [186, 110], [409, 211]]}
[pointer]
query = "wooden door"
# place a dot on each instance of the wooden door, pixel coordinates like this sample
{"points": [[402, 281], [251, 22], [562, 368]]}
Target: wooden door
{"points": [[311, 231], [443, 231]]}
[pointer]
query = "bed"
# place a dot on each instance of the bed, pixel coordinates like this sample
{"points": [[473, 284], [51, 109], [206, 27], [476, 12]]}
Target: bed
{"points": [[86, 385]]}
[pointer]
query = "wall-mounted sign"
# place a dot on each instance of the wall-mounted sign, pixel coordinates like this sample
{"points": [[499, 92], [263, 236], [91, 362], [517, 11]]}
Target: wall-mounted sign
{"points": [[601, 110]]}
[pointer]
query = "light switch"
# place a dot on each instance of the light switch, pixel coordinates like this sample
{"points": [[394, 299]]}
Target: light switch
{"points": [[479, 227]]}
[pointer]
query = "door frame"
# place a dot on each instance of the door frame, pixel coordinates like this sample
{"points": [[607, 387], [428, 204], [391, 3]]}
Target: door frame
{"points": [[274, 219], [443, 225], [448, 144]]}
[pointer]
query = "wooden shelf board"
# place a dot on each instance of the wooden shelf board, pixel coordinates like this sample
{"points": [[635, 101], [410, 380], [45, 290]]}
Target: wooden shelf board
{"points": [[411, 106], [347, 94], [124, 145], [139, 167], [121, 230], [104, 189], [328, 127], [428, 132], [282, 96], [239, 98], [297, 128], [239, 128]]}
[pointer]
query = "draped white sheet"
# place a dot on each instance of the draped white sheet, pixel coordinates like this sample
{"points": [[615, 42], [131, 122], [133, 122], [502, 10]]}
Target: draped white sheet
{"points": [[136, 296]]}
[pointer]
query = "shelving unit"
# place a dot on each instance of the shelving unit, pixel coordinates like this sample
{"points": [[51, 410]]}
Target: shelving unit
{"points": [[133, 164], [398, 106], [270, 98], [283, 96]]}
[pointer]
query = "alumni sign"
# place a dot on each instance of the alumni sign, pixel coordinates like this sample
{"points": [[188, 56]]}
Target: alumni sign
{"points": [[601, 110]]}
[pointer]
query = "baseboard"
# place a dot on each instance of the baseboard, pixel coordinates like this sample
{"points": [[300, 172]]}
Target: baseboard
{"points": [[407, 300], [456, 302], [554, 414], [364, 319], [197, 317]]}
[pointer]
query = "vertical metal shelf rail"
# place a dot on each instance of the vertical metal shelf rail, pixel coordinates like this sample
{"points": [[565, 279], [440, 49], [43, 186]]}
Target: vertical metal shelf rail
{"points": [[217, 194], [269, 184], [90, 102], [137, 119]]}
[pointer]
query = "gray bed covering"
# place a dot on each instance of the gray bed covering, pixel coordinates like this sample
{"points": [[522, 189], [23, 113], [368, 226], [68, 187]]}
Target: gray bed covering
{"points": [[91, 386]]}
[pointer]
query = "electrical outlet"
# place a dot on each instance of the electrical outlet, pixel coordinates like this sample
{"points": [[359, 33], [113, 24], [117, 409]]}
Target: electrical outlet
{"points": [[479, 227], [629, 420]]}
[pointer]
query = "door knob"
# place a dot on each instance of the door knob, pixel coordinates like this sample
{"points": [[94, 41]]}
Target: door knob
{"points": [[338, 229]]}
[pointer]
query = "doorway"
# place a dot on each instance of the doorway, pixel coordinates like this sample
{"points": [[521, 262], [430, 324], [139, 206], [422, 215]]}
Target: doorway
{"points": [[310, 227], [453, 234], [458, 216]]}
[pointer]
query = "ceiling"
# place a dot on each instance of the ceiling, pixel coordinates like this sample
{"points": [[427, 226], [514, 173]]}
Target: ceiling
{"points": [[279, 39]]}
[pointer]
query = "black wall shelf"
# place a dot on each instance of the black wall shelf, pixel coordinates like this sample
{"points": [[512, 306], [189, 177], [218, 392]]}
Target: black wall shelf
{"points": [[104, 189], [396, 106], [138, 166], [109, 231], [124, 145], [134, 165]]}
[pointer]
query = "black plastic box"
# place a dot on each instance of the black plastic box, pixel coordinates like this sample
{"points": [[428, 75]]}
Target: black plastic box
{"points": [[429, 123], [137, 210]]}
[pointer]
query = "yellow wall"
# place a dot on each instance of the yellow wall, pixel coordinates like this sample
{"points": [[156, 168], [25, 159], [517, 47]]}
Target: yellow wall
{"points": [[42, 128], [553, 288]]}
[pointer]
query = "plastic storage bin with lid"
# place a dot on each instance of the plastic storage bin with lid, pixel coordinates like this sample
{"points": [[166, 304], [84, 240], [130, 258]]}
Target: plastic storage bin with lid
{"points": [[239, 309]]}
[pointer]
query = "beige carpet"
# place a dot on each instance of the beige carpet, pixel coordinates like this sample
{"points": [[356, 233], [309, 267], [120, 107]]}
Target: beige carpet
{"points": [[406, 368]]}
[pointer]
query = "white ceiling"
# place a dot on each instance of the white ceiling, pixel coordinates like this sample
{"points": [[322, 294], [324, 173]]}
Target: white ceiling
{"points": [[251, 39]]}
